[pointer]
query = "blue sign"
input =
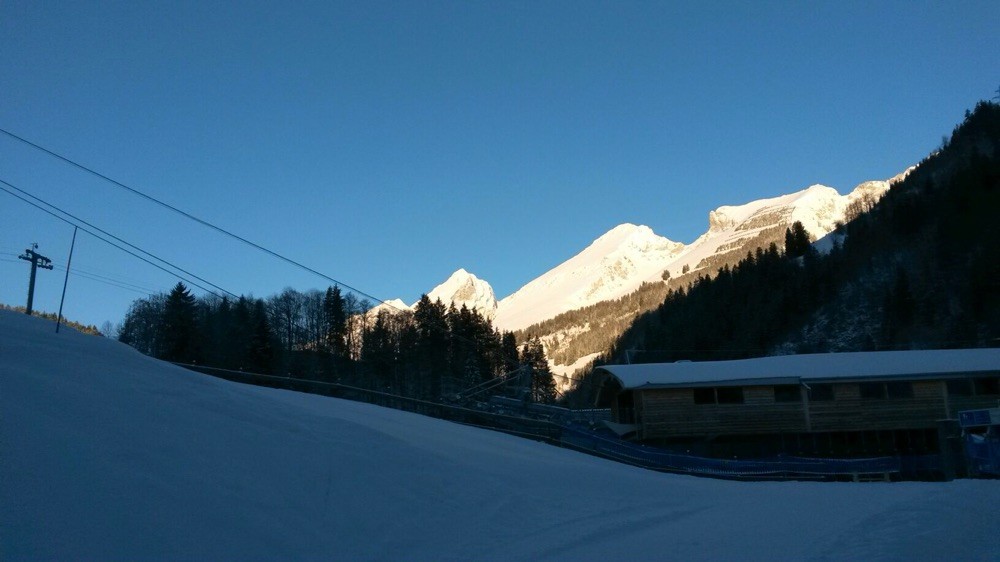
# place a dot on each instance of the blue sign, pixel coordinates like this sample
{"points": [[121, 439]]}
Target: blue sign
{"points": [[973, 418]]}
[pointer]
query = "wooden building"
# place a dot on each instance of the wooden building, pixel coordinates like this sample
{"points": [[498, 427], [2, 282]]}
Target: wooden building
{"points": [[826, 405]]}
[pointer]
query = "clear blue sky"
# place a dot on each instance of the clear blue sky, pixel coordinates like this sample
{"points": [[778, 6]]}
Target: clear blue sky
{"points": [[389, 143]]}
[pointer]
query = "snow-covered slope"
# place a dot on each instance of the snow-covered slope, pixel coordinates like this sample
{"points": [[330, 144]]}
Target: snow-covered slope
{"points": [[618, 262], [391, 306], [464, 288], [461, 288], [109, 455], [733, 228], [613, 265]]}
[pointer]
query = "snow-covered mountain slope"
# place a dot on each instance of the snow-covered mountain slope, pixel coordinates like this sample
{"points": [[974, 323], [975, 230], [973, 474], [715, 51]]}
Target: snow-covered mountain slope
{"points": [[621, 260], [464, 288], [618, 262], [461, 288], [390, 306], [109, 455], [613, 265], [739, 228]]}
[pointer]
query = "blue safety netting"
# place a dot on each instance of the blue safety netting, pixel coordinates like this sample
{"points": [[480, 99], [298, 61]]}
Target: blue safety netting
{"points": [[983, 454], [659, 459]]}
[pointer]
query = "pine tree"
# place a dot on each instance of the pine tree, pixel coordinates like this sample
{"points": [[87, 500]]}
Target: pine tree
{"points": [[336, 322], [378, 353], [508, 352], [179, 327], [797, 240], [431, 346], [239, 335], [543, 386]]}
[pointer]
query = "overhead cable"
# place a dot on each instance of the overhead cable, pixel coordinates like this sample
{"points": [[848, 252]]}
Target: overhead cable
{"points": [[158, 266], [190, 216]]}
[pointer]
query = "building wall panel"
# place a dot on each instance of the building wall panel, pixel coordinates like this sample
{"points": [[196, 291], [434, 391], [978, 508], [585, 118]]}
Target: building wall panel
{"points": [[758, 395], [671, 413]]}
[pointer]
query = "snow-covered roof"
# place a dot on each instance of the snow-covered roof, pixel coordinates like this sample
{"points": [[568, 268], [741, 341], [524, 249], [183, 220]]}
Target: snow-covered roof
{"points": [[792, 369]]}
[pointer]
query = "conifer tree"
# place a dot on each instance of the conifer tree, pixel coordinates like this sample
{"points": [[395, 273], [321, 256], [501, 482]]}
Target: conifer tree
{"points": [[797, 240], [543, 386], [239, 335], [378, 353], [336, 322], [179, 326], [431, 346]]}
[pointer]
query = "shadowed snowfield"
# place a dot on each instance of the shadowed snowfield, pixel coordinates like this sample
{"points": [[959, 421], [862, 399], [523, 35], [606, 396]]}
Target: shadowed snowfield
{"points": [[109, 455]]}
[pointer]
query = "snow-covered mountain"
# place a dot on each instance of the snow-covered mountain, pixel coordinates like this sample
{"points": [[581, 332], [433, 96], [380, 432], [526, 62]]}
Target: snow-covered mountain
{"points": [[461, 288], [618, 262], [464, 288], [613, 265]]}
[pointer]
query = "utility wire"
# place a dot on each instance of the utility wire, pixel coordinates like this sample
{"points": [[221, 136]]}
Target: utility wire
{"points": [[76, 272], [156, 265], [118, 282], [90, 275], [108, 281], [190, 216], [378, 301], [106, 233]]}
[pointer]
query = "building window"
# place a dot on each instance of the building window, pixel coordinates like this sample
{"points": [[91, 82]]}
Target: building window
{"points": [[988, 385], [959, 387], [872, 390], [899, 389], [821, 392], [730, 395], [704, 396], [721, 395], [787, 393]]}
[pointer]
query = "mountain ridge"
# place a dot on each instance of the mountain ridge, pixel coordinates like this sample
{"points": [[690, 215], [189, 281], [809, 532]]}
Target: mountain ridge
{"points": [[628, 255], [631, 258]]}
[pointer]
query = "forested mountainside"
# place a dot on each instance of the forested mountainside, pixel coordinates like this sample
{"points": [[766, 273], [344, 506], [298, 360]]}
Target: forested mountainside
{"points": [[595, 329], [919, 270]]}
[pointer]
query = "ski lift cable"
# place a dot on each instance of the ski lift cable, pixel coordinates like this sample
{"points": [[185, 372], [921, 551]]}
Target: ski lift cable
{"points": [[109, 242]]}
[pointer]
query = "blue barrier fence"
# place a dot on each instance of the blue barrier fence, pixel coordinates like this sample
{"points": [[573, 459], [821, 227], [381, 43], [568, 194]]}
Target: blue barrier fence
{"points": [[557, 427], [983, 454], [773, 467]]}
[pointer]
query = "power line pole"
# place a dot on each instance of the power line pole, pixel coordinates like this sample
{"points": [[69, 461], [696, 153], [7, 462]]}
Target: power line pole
{"points": [[37, 260], [66, 279]]}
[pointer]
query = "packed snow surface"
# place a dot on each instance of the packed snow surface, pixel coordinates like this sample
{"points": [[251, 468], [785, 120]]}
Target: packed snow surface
{"points": [[108, 455]]}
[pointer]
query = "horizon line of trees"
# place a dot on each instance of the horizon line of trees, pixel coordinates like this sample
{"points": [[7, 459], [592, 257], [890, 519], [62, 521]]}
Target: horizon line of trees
{"points": [[433, 352]]}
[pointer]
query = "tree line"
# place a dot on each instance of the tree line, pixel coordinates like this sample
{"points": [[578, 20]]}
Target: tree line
{"points": [[433, 352]]}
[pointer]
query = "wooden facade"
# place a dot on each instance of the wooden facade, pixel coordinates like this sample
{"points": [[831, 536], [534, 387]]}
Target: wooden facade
{"points": [[673, 412], [836, 416]]}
